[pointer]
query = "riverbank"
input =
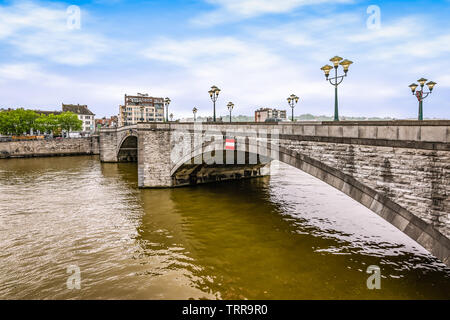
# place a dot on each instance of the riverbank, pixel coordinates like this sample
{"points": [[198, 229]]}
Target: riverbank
{"points": [[50, 148]]}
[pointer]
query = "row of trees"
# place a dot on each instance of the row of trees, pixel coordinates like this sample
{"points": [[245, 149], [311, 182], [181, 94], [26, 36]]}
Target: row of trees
{"points": [[20, 121]]}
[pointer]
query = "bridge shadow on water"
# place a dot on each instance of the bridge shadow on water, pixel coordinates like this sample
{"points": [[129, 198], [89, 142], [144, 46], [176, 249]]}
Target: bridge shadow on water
{"points": [[254, 239]]}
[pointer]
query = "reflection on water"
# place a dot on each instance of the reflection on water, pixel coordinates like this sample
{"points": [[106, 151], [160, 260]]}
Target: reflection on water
{"points": [[285, 237]]}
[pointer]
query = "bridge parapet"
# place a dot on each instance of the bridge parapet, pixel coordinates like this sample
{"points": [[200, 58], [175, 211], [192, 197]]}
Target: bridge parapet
{"points": [[418, 131]]}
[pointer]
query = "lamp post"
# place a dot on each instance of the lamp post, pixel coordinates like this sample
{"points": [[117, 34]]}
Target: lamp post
{"points": [[230, 106], [194, 111], [166, 103], [336, 80], [292, 100], [214, 94], [421, 95], [171, 117]]}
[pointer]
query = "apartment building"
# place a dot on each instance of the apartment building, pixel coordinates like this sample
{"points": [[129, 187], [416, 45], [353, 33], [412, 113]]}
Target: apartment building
{"points": [[263, 114], [141, 108]]}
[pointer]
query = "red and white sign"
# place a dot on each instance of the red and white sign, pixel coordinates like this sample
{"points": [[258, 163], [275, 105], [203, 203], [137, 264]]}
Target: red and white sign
{"points": [[229, 144]]}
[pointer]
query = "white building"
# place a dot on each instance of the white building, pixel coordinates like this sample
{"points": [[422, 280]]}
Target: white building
{"points": [[84, 114]]}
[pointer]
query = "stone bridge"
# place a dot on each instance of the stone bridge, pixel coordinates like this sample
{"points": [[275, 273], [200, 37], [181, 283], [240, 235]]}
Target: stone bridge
{"points": [[398, 169]]}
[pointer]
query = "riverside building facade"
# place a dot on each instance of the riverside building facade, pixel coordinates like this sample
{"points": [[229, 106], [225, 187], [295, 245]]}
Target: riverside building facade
{"points": [[263, 114], [141, 108]]}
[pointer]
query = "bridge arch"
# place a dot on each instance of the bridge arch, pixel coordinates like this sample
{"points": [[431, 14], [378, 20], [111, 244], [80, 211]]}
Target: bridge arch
{"points": [[128, 149], [413, 226]]}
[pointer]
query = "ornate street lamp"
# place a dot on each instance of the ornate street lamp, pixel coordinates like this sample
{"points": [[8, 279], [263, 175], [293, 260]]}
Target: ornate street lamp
{"points": [[166, 103], [421, 95], [214, 94], [194, 111], [230, 106], [292, 100], [336, 80]]}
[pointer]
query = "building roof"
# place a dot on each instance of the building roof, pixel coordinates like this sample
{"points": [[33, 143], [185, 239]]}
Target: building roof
{"points": [[76, 108], [269, 109]]}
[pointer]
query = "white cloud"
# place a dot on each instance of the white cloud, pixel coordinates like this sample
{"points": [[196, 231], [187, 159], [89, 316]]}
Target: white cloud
{"points": [[443, 81], [30, 72], [399, 30], [210, 51], [423, 48], [233, 10], [40, 31]]}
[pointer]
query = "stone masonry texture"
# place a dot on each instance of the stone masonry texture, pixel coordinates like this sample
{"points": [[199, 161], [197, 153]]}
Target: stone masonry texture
{"points": [[52, 147]]}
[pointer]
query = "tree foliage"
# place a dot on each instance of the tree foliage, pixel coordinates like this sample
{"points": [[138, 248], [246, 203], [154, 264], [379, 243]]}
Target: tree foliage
{"points": [[20, 121], [69, 121]]}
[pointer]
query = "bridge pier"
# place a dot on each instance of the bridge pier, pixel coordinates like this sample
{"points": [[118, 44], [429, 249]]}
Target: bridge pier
{"points": [[154, 147], [108, 146]]}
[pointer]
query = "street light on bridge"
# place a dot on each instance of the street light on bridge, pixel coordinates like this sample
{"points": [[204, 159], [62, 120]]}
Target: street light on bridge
{"points": [[292, 100], [214, 94], [166, 103], [336, 80], [194, 111], [421, 95], [230, 106]]}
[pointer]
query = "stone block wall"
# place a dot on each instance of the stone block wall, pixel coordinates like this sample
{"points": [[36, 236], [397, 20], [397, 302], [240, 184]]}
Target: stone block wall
{"points": [[154, 162], [418, 180], [49, 148]]}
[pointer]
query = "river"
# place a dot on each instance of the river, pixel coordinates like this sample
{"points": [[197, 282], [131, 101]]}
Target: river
{"points": [[287, 236]]}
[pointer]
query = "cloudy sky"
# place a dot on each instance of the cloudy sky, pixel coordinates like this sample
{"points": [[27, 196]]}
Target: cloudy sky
{"points": [[257, 51]]}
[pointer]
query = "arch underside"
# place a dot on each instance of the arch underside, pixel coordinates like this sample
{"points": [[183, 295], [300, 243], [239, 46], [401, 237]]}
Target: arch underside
{"points": [[187, 172], [197, 170], [128, 149]]}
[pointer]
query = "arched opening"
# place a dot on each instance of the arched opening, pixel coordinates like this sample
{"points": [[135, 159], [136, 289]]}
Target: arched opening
{"points": [[199, 170], [128, 150]]}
